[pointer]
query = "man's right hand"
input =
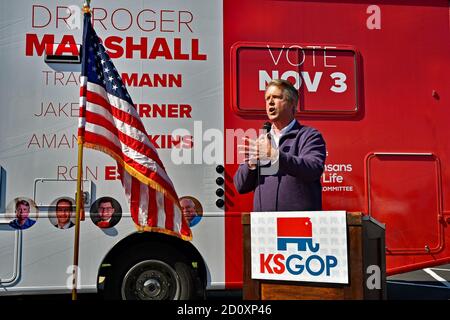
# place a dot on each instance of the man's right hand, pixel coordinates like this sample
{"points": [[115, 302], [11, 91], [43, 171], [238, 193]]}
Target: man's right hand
{"points": [[254, 150]]}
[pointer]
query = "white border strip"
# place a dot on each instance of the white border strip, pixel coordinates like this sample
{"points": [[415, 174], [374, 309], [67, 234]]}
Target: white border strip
{"points": [[437, 277]]}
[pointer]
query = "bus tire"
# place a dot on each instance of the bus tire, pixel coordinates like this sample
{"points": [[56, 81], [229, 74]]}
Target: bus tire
{"points": [[148, 273]]}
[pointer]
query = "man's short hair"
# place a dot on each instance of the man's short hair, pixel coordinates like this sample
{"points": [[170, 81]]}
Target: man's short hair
{"points": [[191, 202], [64, 200], [288, 90], [105, 200], [22, 202]]}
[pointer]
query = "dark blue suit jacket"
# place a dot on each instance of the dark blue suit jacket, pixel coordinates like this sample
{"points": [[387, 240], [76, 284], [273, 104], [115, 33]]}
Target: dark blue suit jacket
{"points": [[296, 185]]}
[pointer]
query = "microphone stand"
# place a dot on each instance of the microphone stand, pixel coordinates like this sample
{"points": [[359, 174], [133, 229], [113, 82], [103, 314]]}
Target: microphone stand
{"points": [[266, 127], [258, 172]]}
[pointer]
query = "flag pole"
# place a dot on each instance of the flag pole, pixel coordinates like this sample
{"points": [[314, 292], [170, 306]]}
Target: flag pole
{"points": [[77, 219], [79, 194]]}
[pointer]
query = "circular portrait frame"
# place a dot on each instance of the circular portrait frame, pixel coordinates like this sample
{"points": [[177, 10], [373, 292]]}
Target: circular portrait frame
{"points": [[17, 213], [198, 208], [53, 213], [106, 205]]}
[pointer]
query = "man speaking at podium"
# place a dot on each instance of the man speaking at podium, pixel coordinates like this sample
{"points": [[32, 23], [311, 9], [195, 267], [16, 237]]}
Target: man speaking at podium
{"points": [[284, 166]]}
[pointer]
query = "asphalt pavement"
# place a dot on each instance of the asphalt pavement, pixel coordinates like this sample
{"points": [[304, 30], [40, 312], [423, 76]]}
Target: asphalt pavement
{"points": [[426, 284]]}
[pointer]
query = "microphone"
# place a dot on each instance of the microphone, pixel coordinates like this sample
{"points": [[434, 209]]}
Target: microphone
{"points": [[267, 127]]}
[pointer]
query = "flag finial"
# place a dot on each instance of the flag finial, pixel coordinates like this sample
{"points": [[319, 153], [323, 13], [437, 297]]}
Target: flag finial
{"points": [[87, 6]]}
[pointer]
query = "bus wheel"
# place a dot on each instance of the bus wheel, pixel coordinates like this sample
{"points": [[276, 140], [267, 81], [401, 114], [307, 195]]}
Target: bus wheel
{"points": [[151, 276]]}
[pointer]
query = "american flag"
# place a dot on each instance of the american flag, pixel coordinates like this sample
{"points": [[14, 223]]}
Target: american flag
{"points": [[109, 122]]}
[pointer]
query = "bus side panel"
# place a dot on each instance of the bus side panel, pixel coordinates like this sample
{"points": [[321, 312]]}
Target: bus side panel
{"points": [[402, 82]]}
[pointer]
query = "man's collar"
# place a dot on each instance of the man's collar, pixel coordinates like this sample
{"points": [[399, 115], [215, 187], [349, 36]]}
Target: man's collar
{"points": [[286, 128], [291, 133], [64, 226]]}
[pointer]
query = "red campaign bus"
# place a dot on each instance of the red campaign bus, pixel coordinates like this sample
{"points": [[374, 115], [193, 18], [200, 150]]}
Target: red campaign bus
{"points": [[373, 79], [379, 103]]}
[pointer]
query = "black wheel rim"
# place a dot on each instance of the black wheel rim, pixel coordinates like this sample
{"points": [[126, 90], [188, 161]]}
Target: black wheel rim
{"points": [[151, 280]]}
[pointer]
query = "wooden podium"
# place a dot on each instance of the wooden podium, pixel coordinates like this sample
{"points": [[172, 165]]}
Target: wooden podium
{"points": [[366, 247]]}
